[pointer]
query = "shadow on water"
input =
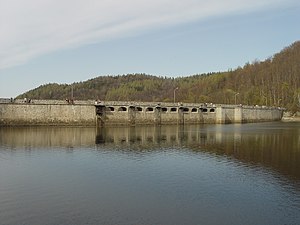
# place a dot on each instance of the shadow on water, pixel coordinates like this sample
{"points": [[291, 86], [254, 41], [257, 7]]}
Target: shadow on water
{"points": [[272, 145]]}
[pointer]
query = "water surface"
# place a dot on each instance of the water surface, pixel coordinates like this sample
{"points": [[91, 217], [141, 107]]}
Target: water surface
{"points": [[202, 174]]}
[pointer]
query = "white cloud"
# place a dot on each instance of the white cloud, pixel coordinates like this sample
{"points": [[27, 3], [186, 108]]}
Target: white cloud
{"points": [[34, 27]]}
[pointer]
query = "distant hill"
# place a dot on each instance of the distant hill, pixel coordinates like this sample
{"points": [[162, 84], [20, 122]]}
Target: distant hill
{"points": [[273, 82]]}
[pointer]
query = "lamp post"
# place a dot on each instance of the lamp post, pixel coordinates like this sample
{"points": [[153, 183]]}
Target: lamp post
{"points": [[175, 94], [279, 100], [72, 92], [266, 99], [236, 94]]}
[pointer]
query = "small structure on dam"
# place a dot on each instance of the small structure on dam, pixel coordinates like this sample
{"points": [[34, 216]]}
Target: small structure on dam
{"points": [[116, 113]]}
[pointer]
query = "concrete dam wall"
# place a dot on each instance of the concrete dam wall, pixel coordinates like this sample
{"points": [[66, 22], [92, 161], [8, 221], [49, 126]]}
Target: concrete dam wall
{"points": [[89, 113]]}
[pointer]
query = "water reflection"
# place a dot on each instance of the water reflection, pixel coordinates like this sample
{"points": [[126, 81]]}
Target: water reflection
{"points": [[44, 137], [201, 174], [273, 145]]}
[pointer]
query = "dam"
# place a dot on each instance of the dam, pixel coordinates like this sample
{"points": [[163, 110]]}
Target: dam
{"points": [[119, 113]]}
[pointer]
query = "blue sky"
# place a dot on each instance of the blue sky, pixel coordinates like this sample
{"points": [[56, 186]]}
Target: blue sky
{"points": [[66, 41]]}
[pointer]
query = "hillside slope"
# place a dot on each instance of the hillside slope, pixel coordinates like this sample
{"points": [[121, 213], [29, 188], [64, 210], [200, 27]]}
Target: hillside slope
{"points": [[273, 82]]}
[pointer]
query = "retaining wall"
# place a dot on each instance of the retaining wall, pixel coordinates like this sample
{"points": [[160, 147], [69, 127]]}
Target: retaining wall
{"points": [[46, 114]]}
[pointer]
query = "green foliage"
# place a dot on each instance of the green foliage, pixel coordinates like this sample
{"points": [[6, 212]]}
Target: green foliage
{"points": [[273, 82]]}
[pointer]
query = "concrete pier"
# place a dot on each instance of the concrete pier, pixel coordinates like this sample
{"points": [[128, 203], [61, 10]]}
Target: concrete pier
{"points": [[238, 114], [220, 115]]}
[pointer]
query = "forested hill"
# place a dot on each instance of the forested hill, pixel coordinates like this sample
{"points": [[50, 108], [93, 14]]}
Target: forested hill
{"points": [[273, 82]]}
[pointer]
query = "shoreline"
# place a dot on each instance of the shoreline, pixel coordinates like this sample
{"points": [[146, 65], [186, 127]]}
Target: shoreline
{"points": [[291, 119]]}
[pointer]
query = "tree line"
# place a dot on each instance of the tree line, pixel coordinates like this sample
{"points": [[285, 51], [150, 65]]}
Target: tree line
{"points": [[273, 82]]}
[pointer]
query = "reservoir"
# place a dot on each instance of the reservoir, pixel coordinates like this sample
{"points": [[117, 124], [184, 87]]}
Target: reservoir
{"points": [[192, 174]]}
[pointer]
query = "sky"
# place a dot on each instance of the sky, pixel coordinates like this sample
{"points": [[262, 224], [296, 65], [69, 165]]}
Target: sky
{"points": [[66, 41]]}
